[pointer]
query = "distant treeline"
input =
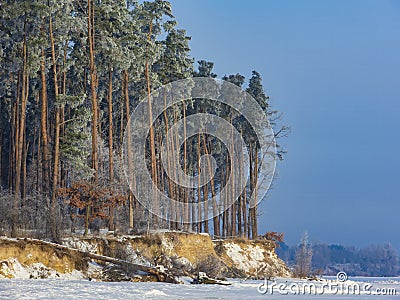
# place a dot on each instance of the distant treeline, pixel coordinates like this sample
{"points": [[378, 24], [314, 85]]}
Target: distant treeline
{"points": [[374, 260]]}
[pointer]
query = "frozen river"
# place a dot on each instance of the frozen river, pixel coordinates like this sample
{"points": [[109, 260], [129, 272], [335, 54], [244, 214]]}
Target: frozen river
{"points": [[354, 288]]}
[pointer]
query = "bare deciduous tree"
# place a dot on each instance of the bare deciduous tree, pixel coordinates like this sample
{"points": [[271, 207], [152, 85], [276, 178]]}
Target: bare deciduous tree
{"points": [[303, 257]]}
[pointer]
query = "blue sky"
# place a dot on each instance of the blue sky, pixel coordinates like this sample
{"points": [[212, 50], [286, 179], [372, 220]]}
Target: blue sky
{"points": [[333, 69]]}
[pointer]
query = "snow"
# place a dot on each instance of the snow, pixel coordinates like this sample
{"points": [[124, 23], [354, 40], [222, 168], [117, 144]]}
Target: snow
{"points": [[84, 289], [155, 293], [94, 269], [135, 256], [80, 245], [250, 259], [167, 245], [12, 268]]}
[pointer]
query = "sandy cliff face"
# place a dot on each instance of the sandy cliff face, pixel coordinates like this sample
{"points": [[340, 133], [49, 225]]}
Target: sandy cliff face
{"points": [[28, 258], [256, 259], [183, 253]]}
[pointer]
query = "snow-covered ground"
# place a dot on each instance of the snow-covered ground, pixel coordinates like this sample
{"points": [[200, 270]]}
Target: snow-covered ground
{"points": [[83, 289]]}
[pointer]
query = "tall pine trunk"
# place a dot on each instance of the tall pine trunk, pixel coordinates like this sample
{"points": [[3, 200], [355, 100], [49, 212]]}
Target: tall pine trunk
{"points": [[243, 196], [233, 200], [254, 228], [43, 127], [1, 158], [250, 215], [185, 190], [179, 193], [129, 145], [93, 88], [24, 161], [152, 138], [110, 142], [110, 126], [252, 232], [56, 155], [20, 135]]}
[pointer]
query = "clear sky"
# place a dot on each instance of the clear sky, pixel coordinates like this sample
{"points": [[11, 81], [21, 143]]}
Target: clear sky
{"points": [[333, 68]]}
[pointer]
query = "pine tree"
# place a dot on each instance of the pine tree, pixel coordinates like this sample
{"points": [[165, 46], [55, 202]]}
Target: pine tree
{"points": [[71, 65]]}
